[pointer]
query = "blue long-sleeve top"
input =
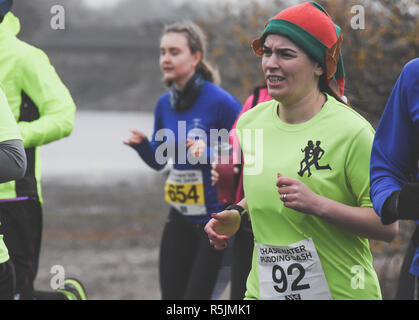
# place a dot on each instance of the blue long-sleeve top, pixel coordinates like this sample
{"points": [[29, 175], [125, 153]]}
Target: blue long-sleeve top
{"points": [[213, 109], [395, 151]]}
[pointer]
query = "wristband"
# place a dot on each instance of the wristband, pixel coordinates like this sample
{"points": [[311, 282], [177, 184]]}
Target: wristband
{"points": [[240, 209]]}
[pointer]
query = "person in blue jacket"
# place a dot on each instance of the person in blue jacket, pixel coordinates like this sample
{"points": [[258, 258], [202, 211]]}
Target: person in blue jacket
{"points": [[185, 122], [394, 158]]}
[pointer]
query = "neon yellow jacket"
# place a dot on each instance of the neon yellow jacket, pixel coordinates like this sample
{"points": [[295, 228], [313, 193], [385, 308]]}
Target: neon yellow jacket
{"points": [[8, 131], [40, 103]]}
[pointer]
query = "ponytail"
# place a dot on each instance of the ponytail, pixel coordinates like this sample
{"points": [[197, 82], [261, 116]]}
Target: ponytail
{"points": [[208, 72]]}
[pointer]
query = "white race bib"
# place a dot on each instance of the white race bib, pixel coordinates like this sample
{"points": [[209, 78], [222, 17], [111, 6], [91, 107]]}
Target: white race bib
{"points": [[184, 191], [292, 272]]}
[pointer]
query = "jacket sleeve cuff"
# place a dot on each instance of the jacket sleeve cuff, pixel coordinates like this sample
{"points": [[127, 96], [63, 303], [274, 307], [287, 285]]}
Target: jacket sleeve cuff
{"points": [[389, 212]]}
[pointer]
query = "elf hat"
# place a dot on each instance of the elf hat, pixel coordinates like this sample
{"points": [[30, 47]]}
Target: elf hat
{"points": [[310, 27]]}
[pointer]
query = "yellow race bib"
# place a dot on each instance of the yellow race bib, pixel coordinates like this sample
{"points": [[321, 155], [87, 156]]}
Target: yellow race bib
{"points": [[184, 191]]}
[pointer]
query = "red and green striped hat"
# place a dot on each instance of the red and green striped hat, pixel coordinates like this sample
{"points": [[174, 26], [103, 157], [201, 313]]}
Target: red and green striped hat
{"points": [[310, 27]]}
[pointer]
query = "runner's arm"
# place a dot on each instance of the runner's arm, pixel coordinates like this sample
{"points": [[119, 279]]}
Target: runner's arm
{"points": [[394, 156], [53, 100], [12, 160], [362, 220], [223, 225], [147, 151]]}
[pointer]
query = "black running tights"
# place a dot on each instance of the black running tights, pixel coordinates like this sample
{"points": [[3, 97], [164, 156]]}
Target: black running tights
{"points": [[188, 264]]}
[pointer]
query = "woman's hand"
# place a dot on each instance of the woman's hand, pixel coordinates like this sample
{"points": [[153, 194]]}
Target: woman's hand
{"points": [[196, 147], [221, 227], [297, 195], [136, 138]]}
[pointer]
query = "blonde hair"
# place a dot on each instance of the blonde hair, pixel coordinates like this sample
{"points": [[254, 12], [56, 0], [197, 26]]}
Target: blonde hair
{"points": [[197, 43]]}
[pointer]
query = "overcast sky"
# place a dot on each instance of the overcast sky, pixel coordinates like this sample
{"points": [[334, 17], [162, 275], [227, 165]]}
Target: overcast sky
{"points": [[101, 3], [110, 3], [97, 4]]}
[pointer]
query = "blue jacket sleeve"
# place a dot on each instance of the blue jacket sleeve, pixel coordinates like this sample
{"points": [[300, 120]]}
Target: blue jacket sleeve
{"points": [[395, 150]]}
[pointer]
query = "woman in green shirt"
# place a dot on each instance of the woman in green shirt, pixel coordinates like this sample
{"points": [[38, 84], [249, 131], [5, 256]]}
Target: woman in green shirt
{"points": [[306, 171]]}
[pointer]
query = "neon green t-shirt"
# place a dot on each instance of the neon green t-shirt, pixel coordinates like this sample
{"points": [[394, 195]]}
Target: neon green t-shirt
{"points": [[297, 255], [8, 131]]}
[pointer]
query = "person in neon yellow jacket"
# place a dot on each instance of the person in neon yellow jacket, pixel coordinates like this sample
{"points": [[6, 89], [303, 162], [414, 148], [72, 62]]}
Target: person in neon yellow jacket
{"points": [[44, 110], [41, 104], [12, 166]]}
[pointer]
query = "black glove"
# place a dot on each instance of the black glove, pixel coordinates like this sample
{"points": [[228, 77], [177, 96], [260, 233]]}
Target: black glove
{"points": [[402, 205]]}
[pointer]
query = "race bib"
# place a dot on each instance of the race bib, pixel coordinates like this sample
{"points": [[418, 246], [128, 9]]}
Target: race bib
{"points": [[184, 191], [291, 272]]}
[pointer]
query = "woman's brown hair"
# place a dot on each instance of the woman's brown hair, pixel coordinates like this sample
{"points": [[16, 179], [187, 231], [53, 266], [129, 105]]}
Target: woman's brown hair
{"points": [[197, 43], [324, 86]]}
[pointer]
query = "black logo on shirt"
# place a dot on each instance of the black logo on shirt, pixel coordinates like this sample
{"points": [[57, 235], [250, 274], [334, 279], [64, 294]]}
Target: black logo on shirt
{"points": [[312, 155]]}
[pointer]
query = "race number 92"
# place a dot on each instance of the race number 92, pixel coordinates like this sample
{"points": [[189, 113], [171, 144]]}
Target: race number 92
{"points": [[279, 276]]}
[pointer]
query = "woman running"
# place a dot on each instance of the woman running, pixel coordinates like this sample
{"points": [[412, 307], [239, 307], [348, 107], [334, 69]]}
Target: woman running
{"points": [[184, 117], [311, 230]]}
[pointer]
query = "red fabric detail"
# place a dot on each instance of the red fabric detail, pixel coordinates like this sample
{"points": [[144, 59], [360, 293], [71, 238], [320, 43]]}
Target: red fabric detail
{"points": [[332, 58], [341, 86]]}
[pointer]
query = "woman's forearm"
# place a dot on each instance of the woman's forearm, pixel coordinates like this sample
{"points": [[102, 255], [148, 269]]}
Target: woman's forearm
{"points": [[147, 151], [362, 221]]}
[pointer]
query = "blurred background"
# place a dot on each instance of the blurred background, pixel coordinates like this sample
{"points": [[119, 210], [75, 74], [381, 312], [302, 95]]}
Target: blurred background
{"points": [[104, 209]]}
